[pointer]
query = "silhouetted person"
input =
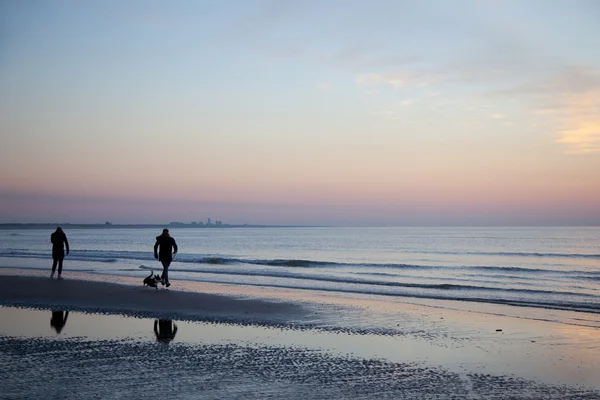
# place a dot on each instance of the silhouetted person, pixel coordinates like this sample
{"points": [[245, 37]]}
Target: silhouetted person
{"points": [[59, 242], [165, 330], [59, 321], [168, 248]]}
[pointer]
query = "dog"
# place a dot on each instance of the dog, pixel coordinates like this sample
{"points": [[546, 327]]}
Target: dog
{"points": [[152, 280]]}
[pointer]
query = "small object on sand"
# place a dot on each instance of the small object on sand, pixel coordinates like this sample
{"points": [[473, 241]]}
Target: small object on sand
{"points": [[498, 330]]}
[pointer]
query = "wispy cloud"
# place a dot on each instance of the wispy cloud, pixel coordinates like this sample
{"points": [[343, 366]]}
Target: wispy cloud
{"points": [[572, 100], [399, 79], [323, 85], [488, 48], [397, 110], [579, 120]]}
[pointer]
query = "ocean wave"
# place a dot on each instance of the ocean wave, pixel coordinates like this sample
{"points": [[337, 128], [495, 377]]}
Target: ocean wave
{"points": [[369, 282], [565, 305], [115, 256], [521, 254], [292, 263]]}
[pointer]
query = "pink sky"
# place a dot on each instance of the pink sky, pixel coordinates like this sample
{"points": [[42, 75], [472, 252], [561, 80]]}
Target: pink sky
{"points": [[161, 115]]}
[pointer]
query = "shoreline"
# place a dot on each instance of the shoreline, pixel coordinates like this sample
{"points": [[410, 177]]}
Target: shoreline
{"points": [[475, 345], [317, 298], [124, 298]]}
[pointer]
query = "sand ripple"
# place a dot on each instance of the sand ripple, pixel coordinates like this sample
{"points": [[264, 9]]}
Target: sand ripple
{"points": [[84, 369]]}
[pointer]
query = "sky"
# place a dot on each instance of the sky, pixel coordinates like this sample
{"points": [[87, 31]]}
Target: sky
{"points": [[329, 112]]}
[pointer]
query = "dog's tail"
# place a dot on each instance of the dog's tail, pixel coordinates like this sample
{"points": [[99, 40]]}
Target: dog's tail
{"points": [[151, 273]]}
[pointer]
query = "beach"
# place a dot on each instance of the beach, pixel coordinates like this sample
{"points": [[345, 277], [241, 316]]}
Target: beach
{"points": [[138, 301], [334, 200], [245, 342]]}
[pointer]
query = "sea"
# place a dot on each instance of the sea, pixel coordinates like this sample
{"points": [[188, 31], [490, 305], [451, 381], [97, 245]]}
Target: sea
{"points": [[529, 268]]}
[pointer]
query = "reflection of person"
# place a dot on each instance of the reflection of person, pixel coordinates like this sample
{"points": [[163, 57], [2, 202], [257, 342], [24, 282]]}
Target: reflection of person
{"points": [[168, 248], [164, 330], [59, 242], [59, 321]]}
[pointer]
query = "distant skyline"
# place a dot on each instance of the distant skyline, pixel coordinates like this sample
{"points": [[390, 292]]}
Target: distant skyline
{"points": [[351, 113]]}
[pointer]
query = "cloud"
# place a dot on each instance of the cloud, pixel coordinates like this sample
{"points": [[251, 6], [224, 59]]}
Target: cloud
{"points": [[572, 99], [396, 111], [400, 79], [475, 52], [579, 121], [569, 101], [577, 109]]}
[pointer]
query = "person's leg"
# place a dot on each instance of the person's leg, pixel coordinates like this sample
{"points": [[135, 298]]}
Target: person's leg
{"points": [[165, 273], [60, 261], [54, 262]]}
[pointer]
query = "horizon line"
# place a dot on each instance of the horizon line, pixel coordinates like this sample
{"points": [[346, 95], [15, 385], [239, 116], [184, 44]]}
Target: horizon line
{"points": [[203, 225]]}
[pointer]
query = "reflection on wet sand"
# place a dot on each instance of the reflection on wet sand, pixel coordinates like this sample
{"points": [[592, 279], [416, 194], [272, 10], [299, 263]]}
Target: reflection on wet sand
{"points": [[165, 330], [455, 342], [59, 320]]}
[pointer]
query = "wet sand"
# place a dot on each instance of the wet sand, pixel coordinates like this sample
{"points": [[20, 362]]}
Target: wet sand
{"points": [[138, 300], [237, 342]]}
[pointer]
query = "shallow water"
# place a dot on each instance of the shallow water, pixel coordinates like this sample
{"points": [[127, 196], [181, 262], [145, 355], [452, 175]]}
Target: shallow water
{"points": [[415, 354], [403, 313], [543, 268]]}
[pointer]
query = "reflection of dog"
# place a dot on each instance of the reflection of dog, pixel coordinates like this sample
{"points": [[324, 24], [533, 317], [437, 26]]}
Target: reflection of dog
{"points": [[152, 280]]}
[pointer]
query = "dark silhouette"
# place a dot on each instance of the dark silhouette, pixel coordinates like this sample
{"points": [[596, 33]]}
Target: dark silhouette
{"points": [[164, 330], [168, 248], [59, 242], [152, 280], [59, 321]]}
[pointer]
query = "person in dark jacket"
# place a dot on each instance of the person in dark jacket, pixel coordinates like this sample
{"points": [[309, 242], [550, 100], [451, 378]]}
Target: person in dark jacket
{"points": [[59, 242], [168, 248]]}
